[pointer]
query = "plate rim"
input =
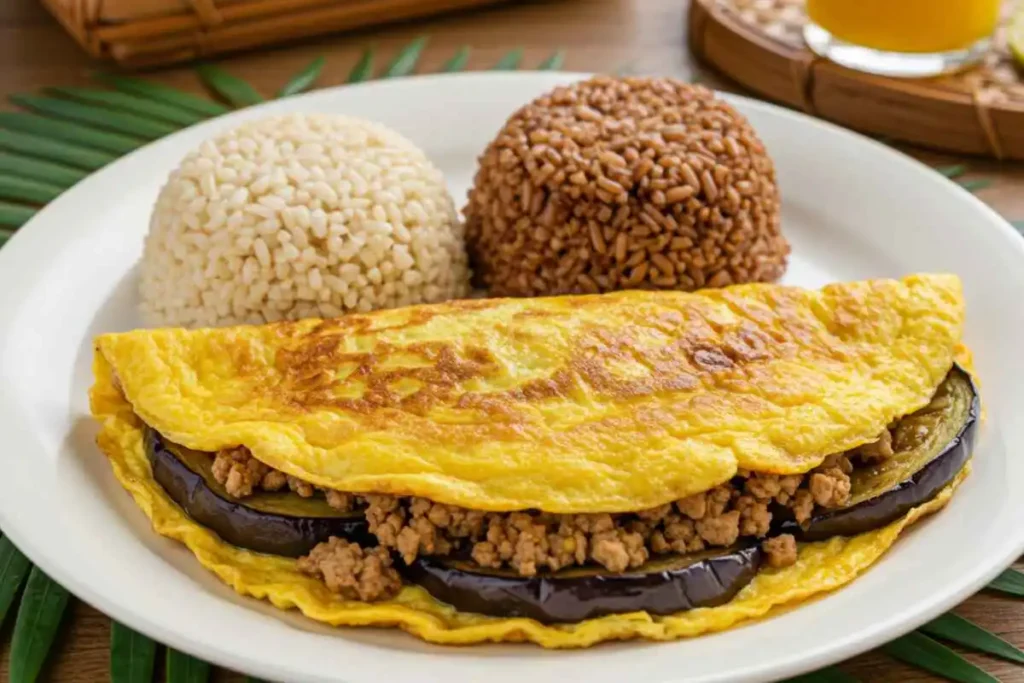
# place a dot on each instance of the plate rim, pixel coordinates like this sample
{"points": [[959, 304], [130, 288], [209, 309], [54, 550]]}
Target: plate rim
{"points": [[797, 663]]}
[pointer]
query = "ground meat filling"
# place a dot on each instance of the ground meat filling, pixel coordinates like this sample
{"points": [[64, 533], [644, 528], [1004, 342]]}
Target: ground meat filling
{"points": [[242, 475], [532, 541], [529, 542], [354, 572]]}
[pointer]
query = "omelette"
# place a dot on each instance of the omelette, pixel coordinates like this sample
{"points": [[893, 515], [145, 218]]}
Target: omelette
{"points": [[563, 470]]}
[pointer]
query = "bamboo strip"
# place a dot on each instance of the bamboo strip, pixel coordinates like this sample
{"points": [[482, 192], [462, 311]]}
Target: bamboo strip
{"points": [[152, 32]]}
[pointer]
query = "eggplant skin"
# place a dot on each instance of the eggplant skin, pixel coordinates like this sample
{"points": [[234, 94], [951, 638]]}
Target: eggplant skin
{"points": [[239, 524], [896, 502], [577, 595]]}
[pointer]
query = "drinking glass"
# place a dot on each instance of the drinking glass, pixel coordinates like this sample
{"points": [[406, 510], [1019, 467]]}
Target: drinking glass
{"points": [[905, 38]]}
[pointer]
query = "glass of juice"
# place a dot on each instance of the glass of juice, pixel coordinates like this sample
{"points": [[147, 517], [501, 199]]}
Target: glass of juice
{"points": [[905, 38]]}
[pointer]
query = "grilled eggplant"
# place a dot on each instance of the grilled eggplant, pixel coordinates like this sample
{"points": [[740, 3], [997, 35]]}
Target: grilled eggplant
{"points": [[662, 586], [930, 447], [274, 523]]}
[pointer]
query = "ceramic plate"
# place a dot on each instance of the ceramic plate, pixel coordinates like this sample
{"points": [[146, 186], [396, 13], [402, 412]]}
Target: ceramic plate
{"points": [[852, 209]]}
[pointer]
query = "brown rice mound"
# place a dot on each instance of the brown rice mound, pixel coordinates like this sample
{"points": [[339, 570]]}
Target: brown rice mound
{"points": [[624, 183]]}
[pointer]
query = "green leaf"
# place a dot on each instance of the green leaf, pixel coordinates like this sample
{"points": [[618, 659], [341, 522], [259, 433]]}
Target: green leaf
{"points": [[231, 88], [163, 93], [405, 61], [5, 235], [827, 675], [97, 116], [956, 629], [132, 655], [1011, 581], [510, 62], [554, 62], [975, 185], [72, 132], [363, 70], [25, 190], [14, 566], [15, 216], [54, 150], [131, 104], [181, 668], [921, 651], [458, 62], [304, 79], [1019, 225], [954, 171], [253, 679], [55, 174], [39, 615]]}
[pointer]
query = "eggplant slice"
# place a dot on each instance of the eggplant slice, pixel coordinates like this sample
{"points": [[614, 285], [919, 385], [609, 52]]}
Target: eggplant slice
{"points": [[275, 523], [930, 447], [662, 586]]}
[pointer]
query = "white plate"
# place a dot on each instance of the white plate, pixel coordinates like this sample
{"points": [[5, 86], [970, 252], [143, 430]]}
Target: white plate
{"points": [[853, 209]]}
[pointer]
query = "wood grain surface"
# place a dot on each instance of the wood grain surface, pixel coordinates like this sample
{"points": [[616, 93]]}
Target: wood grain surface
{"points": [[643, 36]]}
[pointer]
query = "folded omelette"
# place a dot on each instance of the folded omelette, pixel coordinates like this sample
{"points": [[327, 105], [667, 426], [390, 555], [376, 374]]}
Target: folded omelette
{"points": [[561, 470]]}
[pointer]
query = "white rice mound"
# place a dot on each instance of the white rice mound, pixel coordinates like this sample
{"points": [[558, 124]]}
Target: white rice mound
{"points": [[300, 216]]}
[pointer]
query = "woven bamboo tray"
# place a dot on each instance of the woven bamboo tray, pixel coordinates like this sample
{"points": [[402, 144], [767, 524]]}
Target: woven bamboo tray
{"points": [[759, 44], [155, 32]]}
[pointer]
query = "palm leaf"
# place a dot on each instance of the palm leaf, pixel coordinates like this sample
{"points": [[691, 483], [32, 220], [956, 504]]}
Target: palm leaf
{"points": [[363, 70], [975, 185], [181, 668], [1011, 582], [5, 235], [14, 567], [163, 93], [132, 656], [921, 651], [39, 616], [554, 62], [62, 152], [96, 116], [956, 629], [510, 61], [458, 61], [231, 88], [14, 216], [405, 61], [130, 103], [70, 132], [25, 190], [954, 171], [54, 174], [304, 79]]}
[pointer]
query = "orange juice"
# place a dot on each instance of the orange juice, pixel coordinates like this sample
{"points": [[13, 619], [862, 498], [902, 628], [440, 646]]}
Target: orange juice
{"points": [[930, 26]]}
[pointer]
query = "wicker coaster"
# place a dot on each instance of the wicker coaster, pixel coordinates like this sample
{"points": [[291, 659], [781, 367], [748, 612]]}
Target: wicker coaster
{"points": [[759, 44]]}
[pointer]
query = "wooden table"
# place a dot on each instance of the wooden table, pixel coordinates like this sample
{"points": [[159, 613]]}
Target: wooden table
{"points": [[645, 36]]}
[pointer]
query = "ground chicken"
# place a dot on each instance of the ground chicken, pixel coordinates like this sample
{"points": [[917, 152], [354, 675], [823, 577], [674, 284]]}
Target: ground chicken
{"points": [[530, 542], [238, 472], [780, 551], [830, 482], [354, 572], [241, 475]]}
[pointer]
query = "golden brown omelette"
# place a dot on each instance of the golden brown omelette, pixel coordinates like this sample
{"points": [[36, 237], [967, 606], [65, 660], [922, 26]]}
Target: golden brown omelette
{"points": [[718, 453]]}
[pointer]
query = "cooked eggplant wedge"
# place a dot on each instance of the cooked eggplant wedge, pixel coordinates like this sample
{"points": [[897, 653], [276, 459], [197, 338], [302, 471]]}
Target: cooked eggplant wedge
{"points": [[662, 586], [930, 447], [275, 523]]}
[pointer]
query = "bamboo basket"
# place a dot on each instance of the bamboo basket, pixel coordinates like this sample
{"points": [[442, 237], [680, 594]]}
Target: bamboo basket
{"points": [[136, 33], [759, 44]]}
